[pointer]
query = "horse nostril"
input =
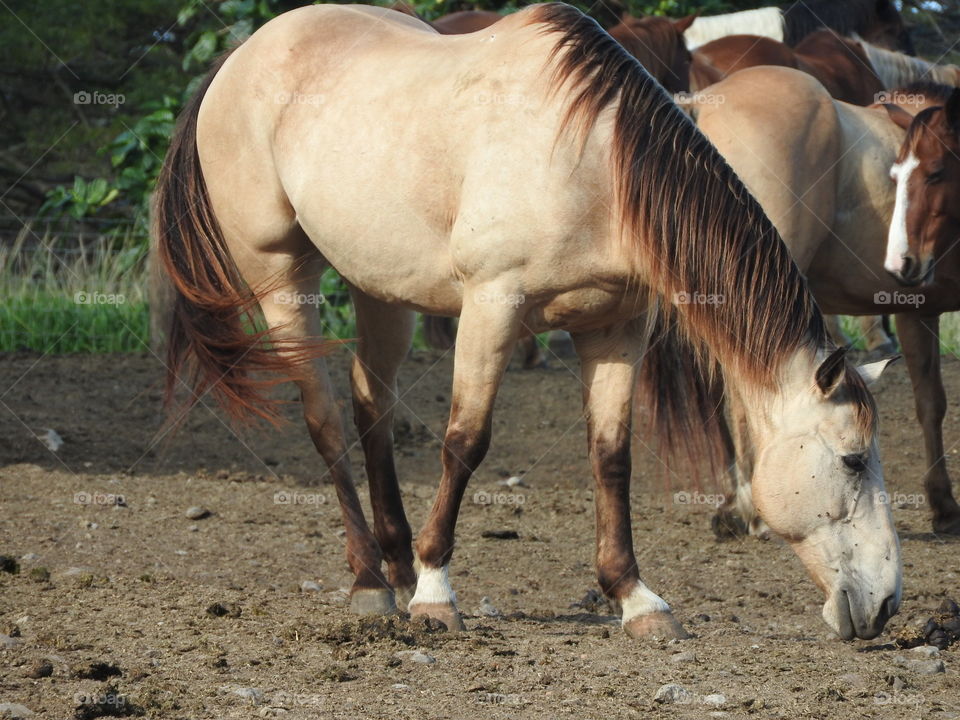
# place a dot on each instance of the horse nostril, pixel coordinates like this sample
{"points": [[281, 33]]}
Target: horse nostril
{"points": [[907, 266], [888, 609]]}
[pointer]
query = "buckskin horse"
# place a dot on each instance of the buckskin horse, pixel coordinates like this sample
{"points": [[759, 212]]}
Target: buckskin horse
{"points": [[596, 201], [821, 170]]}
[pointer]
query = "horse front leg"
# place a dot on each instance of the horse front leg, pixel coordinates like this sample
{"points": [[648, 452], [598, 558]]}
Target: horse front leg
{"points": [[920, 339], [486, 338], [609, 360]]}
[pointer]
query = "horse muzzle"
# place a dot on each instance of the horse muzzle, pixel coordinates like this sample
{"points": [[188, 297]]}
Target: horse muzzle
{"points": [[851, 616]]}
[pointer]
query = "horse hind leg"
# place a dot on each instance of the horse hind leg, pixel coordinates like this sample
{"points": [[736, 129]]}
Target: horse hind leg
{"points": [[290, 311], [385, 333]]}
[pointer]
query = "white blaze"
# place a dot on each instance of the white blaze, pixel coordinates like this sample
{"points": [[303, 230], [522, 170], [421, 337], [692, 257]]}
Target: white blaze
{"points": [[897, 240]]}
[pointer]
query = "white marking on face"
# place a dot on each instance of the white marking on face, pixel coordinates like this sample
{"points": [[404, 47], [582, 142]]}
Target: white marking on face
{"points": [[641, 601], [433, 586], [897, 239]]}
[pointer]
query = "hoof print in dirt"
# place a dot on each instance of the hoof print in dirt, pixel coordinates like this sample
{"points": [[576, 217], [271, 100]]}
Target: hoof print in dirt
{"points": [[106, 702], [97, 671], [500, 534], [221, 609]]}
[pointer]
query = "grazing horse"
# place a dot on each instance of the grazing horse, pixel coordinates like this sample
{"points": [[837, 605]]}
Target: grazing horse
{"points": [[821, 170], [658, 44], [595, 205], [839, 63], [876, 20]]}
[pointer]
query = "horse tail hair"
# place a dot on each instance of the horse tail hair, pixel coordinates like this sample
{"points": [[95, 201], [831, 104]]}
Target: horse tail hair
{"points": [[212, 344]]}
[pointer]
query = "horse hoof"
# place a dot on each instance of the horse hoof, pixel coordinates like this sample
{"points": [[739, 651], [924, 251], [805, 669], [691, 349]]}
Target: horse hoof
{"points": [[372, 602], [404, 595], [728, 526], [445, 613], [655, 625], [947, 526]]}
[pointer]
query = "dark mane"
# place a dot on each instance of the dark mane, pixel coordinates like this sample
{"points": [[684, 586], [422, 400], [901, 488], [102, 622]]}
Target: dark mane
{"points": [[689, 224], [936, 92], [849, 16]]}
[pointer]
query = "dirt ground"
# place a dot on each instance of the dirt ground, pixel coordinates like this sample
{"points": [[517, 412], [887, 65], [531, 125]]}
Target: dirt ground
{"points": [[140, 610]]}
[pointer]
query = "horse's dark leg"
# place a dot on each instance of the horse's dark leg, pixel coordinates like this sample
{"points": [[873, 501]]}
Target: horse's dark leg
{"points": [[609, 361], [384, 334], [920, 340], [485, 341], [371, 593]]}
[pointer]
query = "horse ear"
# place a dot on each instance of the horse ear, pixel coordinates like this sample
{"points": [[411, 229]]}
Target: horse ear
{"points": [[871, 372], [952, 110], [683, 24], [899, 116], [830, 372]]}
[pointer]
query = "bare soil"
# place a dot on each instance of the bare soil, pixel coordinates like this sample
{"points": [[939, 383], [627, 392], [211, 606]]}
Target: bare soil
{"points": [[139, 610]]}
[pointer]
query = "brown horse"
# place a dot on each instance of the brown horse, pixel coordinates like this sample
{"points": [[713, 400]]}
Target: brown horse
{"points": [[839, 63], [821, 170], [593, 205], [658, 44], [876, 20]]}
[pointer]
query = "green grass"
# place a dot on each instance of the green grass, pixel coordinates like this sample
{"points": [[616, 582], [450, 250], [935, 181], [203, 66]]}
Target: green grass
{"points": [[86, 298]]}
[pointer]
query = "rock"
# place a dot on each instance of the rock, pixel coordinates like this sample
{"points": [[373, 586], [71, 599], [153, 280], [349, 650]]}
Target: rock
{"points": [[310, 586], [927, 651], [8, 643], [514, 481], [253, 695], [487, 608], [671, 694], [51, 438], [29, 558], [40, 669], [421, 657], [15, 711], [714, 700], [853, 680], [685, 657], [82, 570], [898, 683], [197, 513], [9, 564], [921, 667]]}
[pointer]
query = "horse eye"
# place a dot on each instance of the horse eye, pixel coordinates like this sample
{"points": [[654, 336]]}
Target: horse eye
{"points": [[935, 177], [855, 463]]}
